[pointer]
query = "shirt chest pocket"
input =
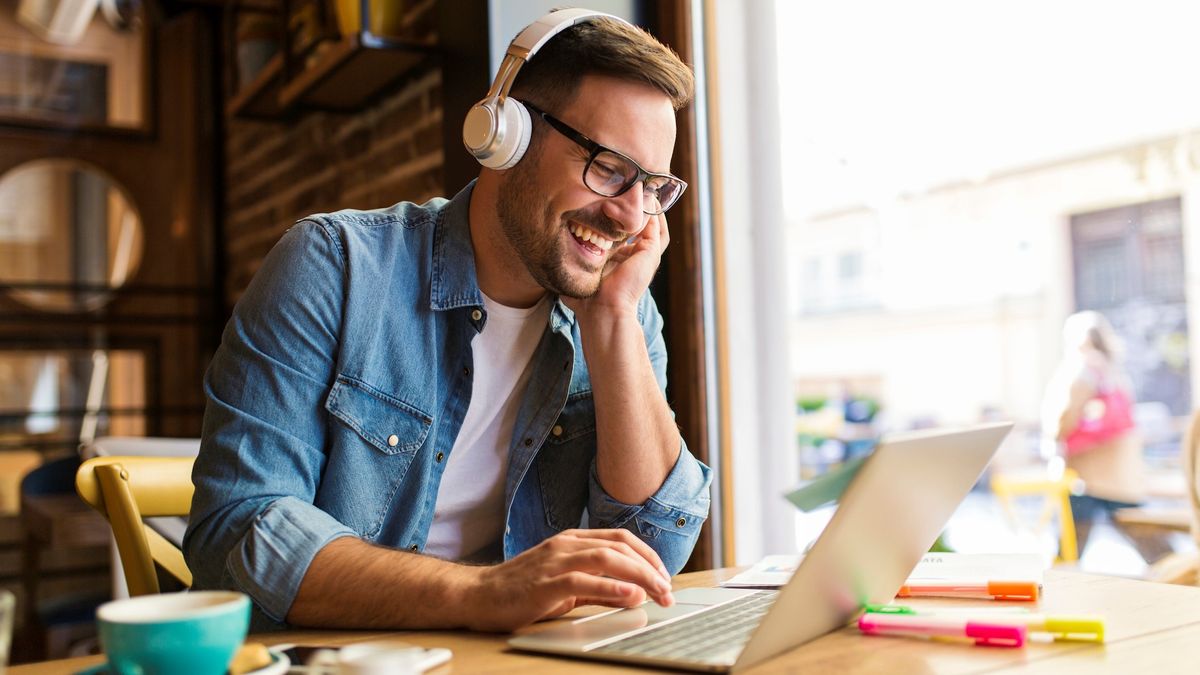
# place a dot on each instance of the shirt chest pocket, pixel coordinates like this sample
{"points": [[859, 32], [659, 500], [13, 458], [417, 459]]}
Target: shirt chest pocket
{"points": [[389, 424], [371, 457], [565, 461]]}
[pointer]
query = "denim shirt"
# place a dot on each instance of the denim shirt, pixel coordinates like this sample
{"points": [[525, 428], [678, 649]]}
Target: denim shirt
{"points": [[340, 385]]}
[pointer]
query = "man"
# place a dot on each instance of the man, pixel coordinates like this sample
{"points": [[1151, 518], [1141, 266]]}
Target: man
{"points": [[413, 408]]}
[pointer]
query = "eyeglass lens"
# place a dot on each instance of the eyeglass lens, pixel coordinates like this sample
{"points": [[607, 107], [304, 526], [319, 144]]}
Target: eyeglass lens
{"points": [[610, 174]]}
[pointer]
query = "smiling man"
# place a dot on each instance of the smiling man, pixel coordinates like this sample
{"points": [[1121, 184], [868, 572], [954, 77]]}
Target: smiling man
{"points": [[453, 414]]}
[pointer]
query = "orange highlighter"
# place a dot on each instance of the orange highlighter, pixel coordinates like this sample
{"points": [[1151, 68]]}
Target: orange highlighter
{"points": [[957, 588]]}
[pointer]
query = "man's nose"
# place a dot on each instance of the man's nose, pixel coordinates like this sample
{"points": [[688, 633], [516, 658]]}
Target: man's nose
{"points": [[626, 209]]}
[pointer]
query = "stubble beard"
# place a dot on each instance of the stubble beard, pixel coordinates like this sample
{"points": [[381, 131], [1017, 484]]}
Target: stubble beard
{"points": [[539, 247]]}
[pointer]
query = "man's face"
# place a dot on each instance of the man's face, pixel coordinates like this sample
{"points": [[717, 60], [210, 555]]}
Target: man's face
{"points": [[562, 231]]}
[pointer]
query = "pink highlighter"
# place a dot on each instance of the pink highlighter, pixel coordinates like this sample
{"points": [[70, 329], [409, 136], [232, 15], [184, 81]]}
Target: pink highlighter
{"points": [[982, 632]]}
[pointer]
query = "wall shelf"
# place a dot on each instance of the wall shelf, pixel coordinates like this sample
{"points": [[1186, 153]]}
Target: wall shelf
{"points": [[260, 98], [345, 74], [341, 75]]}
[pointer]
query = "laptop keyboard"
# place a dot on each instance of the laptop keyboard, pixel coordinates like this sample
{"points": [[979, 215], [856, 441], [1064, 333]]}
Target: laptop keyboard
{"points": [[716, 634]]}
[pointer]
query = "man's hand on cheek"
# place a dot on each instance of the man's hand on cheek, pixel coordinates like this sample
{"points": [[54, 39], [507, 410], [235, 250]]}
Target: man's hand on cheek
{"points": [[629, 270]]}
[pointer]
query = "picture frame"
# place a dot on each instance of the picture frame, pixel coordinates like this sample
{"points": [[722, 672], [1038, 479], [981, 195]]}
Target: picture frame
{"points": [[73, 93], [102, 82]]}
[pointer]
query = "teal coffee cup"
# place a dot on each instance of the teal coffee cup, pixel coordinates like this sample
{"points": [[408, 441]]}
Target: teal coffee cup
{"points": [[191, 633]]}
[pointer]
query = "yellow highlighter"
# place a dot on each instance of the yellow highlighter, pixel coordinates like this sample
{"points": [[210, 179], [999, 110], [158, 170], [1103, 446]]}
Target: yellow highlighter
{"points": [[1080, 628]]}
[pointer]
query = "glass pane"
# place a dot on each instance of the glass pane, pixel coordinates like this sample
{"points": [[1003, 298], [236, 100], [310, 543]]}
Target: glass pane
{"points": [[67, 231], [50, 397], [73, 63], [973, 159]]}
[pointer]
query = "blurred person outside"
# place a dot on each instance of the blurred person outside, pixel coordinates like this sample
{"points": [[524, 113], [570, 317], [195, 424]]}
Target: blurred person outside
{"points": [[1088, 414]]}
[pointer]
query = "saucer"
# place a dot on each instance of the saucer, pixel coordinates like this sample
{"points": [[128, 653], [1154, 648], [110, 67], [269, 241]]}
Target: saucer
{"points": [[278, 666]]}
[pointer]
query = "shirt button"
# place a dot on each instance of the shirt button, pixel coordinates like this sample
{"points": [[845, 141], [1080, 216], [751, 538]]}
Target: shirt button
{"points": [[557, 430], [413, 548], [393, 440], [476, 315], [466, 370], [528, 442], [681, 522], [440, 457]]}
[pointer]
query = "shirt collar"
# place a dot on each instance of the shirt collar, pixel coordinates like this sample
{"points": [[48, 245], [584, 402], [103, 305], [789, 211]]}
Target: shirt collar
{"points": [[561, 317], [454, 282]]}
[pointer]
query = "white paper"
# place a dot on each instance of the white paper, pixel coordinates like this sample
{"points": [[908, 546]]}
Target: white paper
{"points": [[774, 571]]}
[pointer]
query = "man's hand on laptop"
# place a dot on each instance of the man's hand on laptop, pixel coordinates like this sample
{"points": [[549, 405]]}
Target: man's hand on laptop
{"points": [[576, 567]]}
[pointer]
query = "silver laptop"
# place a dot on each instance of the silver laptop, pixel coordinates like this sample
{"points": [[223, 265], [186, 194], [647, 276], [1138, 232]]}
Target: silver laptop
{"points": [[890, 514]]}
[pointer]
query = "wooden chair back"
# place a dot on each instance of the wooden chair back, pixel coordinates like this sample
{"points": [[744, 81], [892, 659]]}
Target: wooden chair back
{"points": [[125, 490]]}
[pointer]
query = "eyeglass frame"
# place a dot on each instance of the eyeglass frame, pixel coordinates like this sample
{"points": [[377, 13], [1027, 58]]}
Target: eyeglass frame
{"points": [[594, 149]]}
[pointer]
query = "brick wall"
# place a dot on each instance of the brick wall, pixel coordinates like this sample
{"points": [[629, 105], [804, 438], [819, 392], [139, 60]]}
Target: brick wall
{"points": [[278, 172]]}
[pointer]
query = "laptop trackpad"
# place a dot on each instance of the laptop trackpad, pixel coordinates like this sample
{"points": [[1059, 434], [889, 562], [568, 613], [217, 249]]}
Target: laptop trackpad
{"points": [[582, 634]]}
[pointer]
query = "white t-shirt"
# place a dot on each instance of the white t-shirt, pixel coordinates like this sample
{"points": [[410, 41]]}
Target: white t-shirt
{"points": [[468, 518]]}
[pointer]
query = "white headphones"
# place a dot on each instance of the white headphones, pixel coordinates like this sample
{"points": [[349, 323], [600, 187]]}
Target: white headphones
{"points": [[496, 130]]}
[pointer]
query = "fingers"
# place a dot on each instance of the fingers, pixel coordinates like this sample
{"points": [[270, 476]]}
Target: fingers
{"points": [[562, 608], [651, 231], [617, 554], [655, 232], [626, 537], [612, 563], [584, 588], [611, 568], [618, 256]]}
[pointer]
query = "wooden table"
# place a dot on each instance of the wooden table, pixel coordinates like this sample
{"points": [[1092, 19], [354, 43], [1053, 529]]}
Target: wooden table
{"points": [[1173, 518], [1152, 628]]}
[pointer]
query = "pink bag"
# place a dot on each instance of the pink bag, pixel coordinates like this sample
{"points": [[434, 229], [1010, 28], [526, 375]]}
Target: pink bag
{"points": [[1106, 416]]}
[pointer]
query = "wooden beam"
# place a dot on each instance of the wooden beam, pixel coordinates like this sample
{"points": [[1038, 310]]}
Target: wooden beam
{"points": [[680, 278], [463, 43]]}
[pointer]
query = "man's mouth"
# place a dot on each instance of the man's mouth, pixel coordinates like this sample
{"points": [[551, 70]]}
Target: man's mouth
{"points": [[589, 238]]}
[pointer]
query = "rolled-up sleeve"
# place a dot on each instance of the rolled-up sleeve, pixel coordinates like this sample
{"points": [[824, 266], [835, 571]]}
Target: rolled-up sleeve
{"points": [[270, 560], [253, 524], [670, 520]]}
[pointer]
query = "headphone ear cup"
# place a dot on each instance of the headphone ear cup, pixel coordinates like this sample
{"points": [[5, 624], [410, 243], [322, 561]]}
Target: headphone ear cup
{"points": [[480, 129], [517, 128]]}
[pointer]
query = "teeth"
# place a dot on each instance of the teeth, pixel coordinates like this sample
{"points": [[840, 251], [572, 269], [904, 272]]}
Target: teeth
{"points": [[589, 235]]}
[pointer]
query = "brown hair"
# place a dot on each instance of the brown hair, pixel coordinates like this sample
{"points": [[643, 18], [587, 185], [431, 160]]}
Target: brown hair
{"points": [[601, 46]]}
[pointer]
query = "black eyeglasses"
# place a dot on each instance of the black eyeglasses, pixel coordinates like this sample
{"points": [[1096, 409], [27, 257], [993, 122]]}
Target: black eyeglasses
{"points": [[609, 173]]}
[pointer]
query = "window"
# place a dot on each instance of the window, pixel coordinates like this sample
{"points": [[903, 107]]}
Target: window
{"points": [[52, 398], [1129, 266], [952, 181]]}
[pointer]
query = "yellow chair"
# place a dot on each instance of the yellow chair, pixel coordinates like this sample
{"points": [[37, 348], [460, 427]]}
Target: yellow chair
{"points": [[127, 489], [1056, 491]]}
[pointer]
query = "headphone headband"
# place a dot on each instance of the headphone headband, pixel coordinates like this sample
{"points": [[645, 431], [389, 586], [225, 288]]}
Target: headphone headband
{"points": [[536, 34], [497, 129]]}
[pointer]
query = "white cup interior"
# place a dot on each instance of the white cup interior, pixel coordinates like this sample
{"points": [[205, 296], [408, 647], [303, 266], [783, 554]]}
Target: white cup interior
{"points": [[169, 606]]}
